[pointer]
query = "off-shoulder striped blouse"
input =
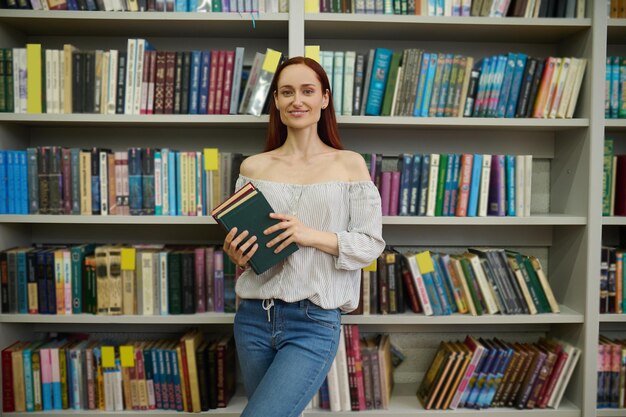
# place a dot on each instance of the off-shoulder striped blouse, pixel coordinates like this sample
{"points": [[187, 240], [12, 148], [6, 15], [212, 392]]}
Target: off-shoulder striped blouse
{"points": [[352, 210]]}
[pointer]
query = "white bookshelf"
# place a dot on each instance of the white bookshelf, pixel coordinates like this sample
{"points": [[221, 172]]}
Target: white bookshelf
{"points": [[568, 226]]}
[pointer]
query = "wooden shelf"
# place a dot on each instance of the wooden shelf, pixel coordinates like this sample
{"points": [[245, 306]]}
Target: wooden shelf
{"points": [[427, 28], [133, 24]]}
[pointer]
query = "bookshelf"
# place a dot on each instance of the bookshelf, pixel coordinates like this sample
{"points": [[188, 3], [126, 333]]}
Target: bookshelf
{"points": [[566, 220]]}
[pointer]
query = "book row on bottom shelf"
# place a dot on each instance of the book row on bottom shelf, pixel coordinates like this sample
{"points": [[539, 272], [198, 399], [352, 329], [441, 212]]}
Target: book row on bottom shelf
{"points": [[195, 372], [611, 372], [216, 6], [170, 280], [163, 181]]}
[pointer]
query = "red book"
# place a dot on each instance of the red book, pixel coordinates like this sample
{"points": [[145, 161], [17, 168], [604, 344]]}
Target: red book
{"points": [[358, 367], [8, 401], [170, 77], [552, 379], [410, 288], [145, 80], [200, 290], [159, 86], [395, 193], [620, 186], [185, 377], [354, 396], [219, 89], [215, 57], [228, 80], [465, 180], [66, 168]]}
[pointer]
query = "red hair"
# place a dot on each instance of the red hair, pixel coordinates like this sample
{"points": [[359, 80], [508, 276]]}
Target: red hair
{"points": [[326, 126]]}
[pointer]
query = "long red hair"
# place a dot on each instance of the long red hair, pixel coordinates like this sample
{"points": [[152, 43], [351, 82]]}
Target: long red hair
{"points": [[326, 126]]}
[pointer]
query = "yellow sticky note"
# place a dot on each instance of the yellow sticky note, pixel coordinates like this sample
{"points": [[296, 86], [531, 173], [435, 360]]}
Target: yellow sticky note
{"points": [[108, 357], [311, 6], [211, 158], [313, 52], [127, 356], [128, 259], [425, 262], [371, 267], [390, 258], [270, 63]]}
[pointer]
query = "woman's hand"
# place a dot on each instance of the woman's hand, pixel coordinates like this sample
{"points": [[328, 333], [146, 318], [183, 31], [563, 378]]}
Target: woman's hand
{"points": [[292, 232], [235, 247]]}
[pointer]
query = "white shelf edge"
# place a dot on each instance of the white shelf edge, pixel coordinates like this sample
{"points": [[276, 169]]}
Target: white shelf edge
{"points": [[139, 16], [614, 221], [611, 412], [540, 220], [116, 119], [615, 123], [612, 318]]}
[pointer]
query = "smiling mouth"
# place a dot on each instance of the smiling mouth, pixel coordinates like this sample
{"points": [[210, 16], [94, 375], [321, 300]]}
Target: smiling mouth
{"points": [[298, 112]]}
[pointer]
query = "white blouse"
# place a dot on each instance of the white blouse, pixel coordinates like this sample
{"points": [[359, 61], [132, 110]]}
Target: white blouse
{"points": [[352, 210]]}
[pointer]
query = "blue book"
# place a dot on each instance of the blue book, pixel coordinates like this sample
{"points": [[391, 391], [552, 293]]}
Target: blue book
{"points": [[421, 85], [95, 180], [471, 392], [496, 85], [485, 374], [416, 167], [4, 198], [33, 181], [181, 6], [405, 163], [507, 83], [485, 65], [486, 356], [28, 376], [11, 181], [173, 185], [510, 185], [444, 284], [484, 401], [445, 85], [135, 197], [378, 81], [516, 85], [472, 206], [456, 169], [176, 379], [23, 174], [194, 81], [205, 70], [158, 205], [607, 81], [57, 402], [22, 282], [164, 378], [433, 295], [423, 191], [428, 87], [156, 377]]}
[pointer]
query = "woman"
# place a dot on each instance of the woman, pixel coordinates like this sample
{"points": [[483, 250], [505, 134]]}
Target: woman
{"points": [[288, 323]]}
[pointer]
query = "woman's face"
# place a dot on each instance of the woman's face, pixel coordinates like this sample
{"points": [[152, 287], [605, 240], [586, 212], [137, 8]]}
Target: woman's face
{"points": [[299, 97]]}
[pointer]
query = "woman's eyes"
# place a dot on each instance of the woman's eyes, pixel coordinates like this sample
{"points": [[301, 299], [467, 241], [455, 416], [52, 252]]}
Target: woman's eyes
{"points": [[288, 93]]}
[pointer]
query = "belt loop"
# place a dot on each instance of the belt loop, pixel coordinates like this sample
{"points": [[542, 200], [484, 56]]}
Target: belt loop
{"points": [[268, 303]]}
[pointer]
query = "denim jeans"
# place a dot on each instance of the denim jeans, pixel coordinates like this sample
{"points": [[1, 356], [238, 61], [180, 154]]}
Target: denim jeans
{"points": [[285, 352]]}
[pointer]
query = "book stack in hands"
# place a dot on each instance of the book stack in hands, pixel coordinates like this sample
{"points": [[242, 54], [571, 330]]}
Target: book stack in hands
{"points": [[480, 373], [247, 209]]}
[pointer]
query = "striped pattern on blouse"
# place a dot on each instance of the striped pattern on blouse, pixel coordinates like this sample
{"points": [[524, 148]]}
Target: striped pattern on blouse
{"points": [[352, 210]]}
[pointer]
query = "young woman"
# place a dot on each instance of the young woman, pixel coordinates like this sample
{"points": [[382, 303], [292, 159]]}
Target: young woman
{"points": [[288, 323]]}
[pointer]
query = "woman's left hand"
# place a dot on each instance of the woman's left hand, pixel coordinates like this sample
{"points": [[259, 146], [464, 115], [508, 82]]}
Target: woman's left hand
{"points": [[293, 231]]}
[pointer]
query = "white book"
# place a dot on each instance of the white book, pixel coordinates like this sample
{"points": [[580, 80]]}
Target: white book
{"points": [[342, 373], [348, 82], [163, 284], [147, 283], [338, 57], [104, 183], [520, 175], [16, 82], [395, 92], [576, 90], [118, 398], [560, 86], [418, 281], [112, 85], [131, 57], [165, 172], [61, 70], [568, 88], [139, 63], [333, 387], [570, 364], [528, 179], [432, 184], [580, 9], [447, 8], [56, 82], [236, 86], [483, 196], [108, 389], [119, 190], [158, 180], [485, 288], [48, 67], [23, 87]]}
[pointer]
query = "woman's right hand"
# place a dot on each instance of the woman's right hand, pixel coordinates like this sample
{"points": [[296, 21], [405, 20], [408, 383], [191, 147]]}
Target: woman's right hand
{"points": [[235, 247]]}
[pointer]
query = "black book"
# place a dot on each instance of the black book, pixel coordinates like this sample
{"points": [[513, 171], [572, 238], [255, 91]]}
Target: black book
{"points": [[89, 82], [527, 82], [178, 82], [535, 86], [40, 276], [121, 83], [55, 181], [202, 363], [472, 89], [77, 82], [50, 283], [95, 181], [212, 361], [4, 283], [43, 169], [187, 282], [174, 285]]}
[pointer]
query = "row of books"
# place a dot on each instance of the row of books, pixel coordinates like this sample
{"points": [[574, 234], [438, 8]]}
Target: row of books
{"points": [[476, 281], [612, 280], [417, 83], [113, 280], [361, 375], [192, 373], [611, 372], [463, 185], [204, 6], [97, 181], [613, 181], [615, 97], [481, 373], [490, 8], [616, 9], [140, 80]]}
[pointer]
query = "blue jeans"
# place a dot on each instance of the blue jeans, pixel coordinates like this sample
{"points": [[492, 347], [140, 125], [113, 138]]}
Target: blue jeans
{"points": [[285, 352]]}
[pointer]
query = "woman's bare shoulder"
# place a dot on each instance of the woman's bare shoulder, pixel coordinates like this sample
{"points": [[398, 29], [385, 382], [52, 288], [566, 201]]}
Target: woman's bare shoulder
{"points": [[254, 164], [354, 163]]}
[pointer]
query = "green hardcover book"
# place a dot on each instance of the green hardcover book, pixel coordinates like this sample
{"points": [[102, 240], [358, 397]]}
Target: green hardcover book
{"points": [[391, 84], [174, 286], [472, 285], [607, 176], [8, 72], [622, 88], [441, 182], [250, 211], [3, 94]]}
